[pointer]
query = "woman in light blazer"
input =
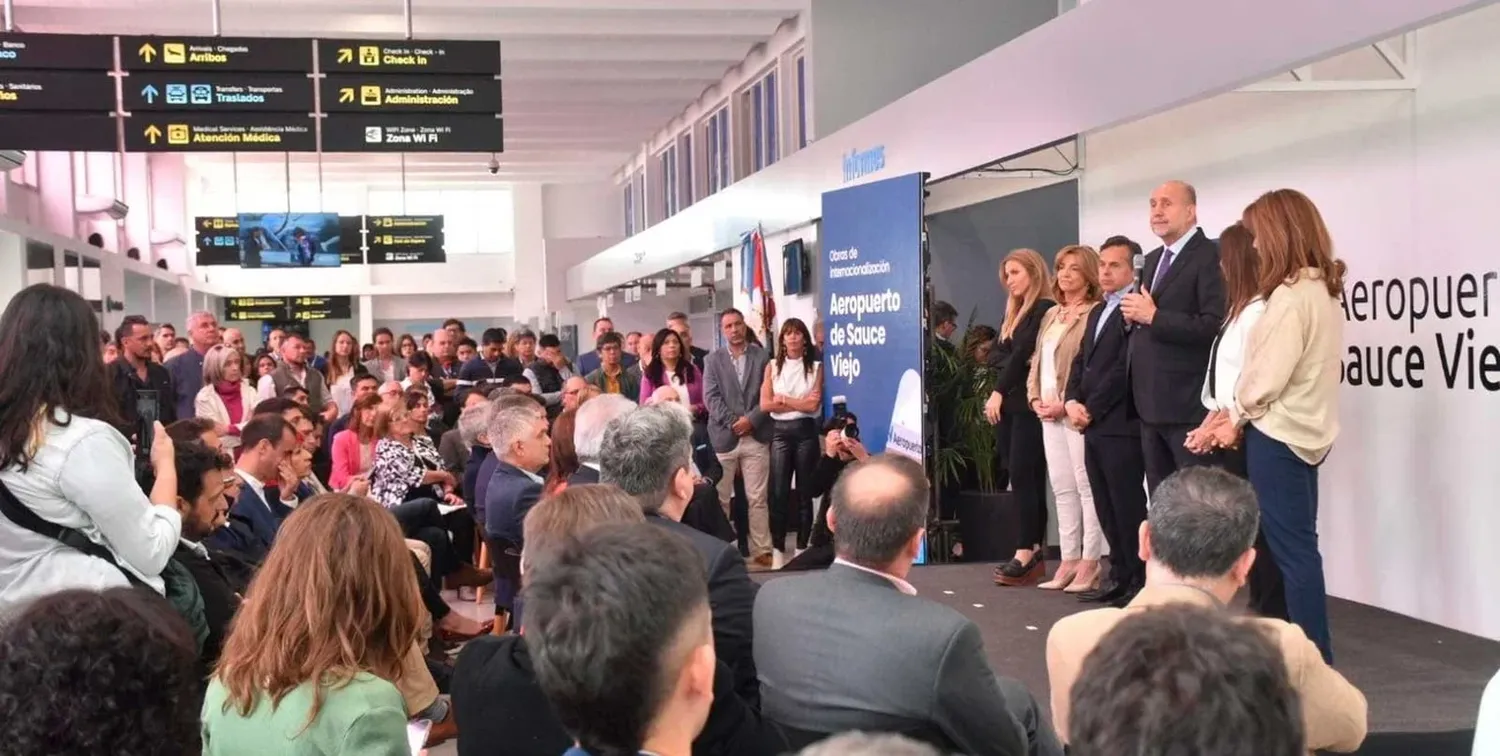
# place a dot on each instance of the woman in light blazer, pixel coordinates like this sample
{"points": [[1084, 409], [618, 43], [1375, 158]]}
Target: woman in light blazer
{"points": [[226, 397], [1075, 286]]}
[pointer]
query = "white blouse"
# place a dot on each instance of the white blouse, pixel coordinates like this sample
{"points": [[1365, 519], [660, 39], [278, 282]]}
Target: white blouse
{"points": [[1229, 357], [83, 477], [793, 381]]}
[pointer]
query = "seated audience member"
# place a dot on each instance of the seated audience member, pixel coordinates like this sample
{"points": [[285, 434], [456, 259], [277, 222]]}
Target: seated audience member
{"points": [[1197, 543], [703, 512], [491, 364], [67, 475], [320, 641], [256, 515], [419, 377], [588, 433], [98, 672], [202, 474], [1185, 679], [518, 433], [505, 399], [474, 434], [622, 641], [920, 669], [353, 449], [226, 397], [562, 461], [838, 452], [391, 394], [451, 446], [649, 457], [613, 375], [196, 429], [866, 744], [409, 480], [296, 394], [363, 385], [548, 372], [575, 392]]}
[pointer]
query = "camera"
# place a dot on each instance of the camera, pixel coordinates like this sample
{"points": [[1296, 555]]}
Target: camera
{"points": [[494, 166], [843, 420]]}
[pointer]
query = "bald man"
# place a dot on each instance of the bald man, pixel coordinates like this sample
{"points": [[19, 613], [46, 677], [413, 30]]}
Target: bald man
{"points": [[1174, 318], [234, 339]]}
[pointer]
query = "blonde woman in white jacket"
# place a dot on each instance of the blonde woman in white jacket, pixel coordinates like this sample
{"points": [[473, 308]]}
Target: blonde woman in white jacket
{"points": [[226, 397]]}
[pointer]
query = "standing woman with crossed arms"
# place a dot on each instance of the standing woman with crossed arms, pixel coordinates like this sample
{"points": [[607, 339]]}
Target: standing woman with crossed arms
{"points": [[1019, 431]]}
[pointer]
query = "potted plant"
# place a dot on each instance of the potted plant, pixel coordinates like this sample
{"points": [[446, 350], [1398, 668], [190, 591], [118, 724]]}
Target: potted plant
{"points": [[963, 464]]}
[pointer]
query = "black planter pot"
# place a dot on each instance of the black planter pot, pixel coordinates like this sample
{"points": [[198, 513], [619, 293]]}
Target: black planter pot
{"points": [[986, 525]]}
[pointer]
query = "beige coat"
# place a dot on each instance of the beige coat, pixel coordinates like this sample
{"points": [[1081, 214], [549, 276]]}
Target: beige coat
{"points": [[1067, 349], [1333, 710]]}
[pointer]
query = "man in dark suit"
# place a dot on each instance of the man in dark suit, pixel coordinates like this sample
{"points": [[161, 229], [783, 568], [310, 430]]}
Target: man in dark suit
{"points": [[650, 458], [491, 364], [588, 433], [855, 649], [262, 504], [1097, 395], [221, 579], [1173, 322], [521, 448], [737, 429]]}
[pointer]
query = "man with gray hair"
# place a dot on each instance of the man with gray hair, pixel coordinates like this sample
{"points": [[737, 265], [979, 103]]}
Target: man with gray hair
{"points": [[856, 650], [650, 458], [186, 369], [521, 448], [1198, 544], [588, 433]]}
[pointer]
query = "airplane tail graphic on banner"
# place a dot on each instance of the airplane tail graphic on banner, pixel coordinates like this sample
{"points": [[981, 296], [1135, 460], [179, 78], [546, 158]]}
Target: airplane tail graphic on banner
{"points": [[755, 280]]}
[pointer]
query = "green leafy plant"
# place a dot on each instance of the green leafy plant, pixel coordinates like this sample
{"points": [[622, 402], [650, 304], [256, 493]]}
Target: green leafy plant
{"points": [[956, 380]]}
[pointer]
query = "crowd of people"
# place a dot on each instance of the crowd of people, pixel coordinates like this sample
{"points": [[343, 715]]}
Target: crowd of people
{"points": [[262, 553]]}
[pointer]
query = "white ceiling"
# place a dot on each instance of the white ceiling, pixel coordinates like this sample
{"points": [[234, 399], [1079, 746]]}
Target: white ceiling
{"points": [[585, 81]]}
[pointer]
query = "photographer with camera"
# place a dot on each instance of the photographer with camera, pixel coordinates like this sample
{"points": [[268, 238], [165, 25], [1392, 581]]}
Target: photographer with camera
{"points": [[71, 513], [841, 447]]}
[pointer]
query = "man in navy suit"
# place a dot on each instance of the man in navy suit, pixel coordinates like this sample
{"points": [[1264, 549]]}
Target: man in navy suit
{"points": [[650, 458], [1097, 395], [588, 433], [518, 435], [264, 500]]}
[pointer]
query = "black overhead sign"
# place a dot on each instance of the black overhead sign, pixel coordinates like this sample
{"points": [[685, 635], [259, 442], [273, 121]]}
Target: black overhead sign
{"points": [[59, 132], [186, 91], [288, 308], [370, 132], [57, 52], [216, 54], [351, 93], [227, 132], [218, 240], [408, 56], [92, 91], [404, 239]]}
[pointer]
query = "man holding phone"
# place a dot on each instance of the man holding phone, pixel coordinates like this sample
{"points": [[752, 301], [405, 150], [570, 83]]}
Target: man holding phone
{"points": [[137, 378]]}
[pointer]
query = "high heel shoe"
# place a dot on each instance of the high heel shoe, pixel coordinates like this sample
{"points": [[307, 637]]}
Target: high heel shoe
{"points": [[1065, 575], [1014, 573], [1086, 578]]}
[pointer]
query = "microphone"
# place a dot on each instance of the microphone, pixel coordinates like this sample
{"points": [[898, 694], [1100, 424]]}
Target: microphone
{"points": [[1138, 261]]}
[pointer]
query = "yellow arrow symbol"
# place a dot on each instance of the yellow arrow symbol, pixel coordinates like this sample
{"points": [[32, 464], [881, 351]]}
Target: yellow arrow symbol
{"points": [[346, 94], [346, 54], [153, 133], [147, 52]]}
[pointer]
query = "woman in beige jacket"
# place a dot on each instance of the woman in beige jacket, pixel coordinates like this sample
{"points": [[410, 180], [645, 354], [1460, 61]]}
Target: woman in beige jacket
{"points": [[226, 397], [1075, 285]]}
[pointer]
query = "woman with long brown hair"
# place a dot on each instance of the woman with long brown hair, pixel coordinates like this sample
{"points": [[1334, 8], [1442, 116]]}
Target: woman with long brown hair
{"points": [[1286, 400], [564, 460], [340, 369], [1076, 289], [792, 394], [1243, 307], [354, 447], [1018, 429], [320, 640]]}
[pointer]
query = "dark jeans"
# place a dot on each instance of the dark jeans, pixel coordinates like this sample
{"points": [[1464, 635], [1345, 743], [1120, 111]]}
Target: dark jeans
{"points": [[794, 449], [1022, 433], [1287, 488], [420, 520], [1267, 592]]}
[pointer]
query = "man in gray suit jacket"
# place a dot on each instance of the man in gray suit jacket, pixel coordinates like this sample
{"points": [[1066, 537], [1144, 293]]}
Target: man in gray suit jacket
{"points": [[739, 432], [853, 648]]}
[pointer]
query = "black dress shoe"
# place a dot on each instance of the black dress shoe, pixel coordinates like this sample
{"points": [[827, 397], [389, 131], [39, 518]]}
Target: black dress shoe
{"points": [[1103, 594], [1125, 598]]}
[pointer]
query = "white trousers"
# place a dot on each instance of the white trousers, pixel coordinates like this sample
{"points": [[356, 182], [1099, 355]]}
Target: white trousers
{"points": [[1077, 521]]}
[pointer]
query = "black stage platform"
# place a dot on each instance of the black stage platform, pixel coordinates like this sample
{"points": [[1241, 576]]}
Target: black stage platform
{"points": [[1417, 677]]}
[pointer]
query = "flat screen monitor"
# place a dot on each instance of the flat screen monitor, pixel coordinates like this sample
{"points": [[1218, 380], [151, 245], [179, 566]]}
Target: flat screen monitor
{"points": [[289, 240]]}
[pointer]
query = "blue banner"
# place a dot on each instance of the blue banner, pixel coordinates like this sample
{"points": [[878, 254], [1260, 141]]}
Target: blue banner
{"points": [[870, 263]]}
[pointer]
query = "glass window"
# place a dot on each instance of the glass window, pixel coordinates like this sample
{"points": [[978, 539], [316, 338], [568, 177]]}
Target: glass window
{"points": [[773, 124], [801, 101], [629, 208], [717, 132], [685, 163], [757, 126], [669, 195]]}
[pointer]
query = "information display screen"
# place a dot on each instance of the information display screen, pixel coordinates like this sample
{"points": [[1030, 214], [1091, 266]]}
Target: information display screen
{"points": [[404, 239]]}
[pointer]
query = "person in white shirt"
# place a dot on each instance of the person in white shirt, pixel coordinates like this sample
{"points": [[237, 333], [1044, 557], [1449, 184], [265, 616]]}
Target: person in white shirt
{"points": [[64, 463], [792, 394], [1243, 307]]}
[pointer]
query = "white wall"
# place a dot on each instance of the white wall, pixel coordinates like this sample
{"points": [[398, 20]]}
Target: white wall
{"points": [[582, 210], [1408, 518]]}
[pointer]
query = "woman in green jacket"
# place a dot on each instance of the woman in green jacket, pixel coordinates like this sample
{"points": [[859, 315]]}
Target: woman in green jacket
{"points": [[310, 662]]}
